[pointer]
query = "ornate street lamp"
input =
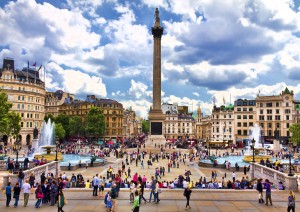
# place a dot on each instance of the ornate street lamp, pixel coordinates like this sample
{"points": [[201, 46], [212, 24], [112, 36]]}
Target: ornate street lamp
{"points": [[56, 150], [290, 160], [253, 142]]}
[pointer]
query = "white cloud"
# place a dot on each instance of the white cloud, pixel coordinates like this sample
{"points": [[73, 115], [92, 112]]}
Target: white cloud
{"points": [[118, 94], [196, 94], [74, 81], [138, 90]]}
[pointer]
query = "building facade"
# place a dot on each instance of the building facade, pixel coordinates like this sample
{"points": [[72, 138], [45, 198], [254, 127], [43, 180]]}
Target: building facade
{"points": [[203, 126], [275, 113], [112, 110], [244, 119], [55, 99], [132, 124], [26, 91], [222, 125]]}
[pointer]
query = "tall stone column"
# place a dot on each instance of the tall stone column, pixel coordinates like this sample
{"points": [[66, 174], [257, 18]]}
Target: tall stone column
{"points": [[156, 116]]}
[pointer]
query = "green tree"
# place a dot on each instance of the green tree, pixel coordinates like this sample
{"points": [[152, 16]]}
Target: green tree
{"points": [[64, 120], [295, 132], [76, 126], [49, 116], [60, 132], [9, 120], [95, 122], [145, 126]]}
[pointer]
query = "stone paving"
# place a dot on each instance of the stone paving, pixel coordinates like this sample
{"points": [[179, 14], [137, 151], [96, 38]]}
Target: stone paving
{"points": [[172, 200]]}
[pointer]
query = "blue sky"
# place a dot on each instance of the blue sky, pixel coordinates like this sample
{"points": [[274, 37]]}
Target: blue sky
{"points": [[212, 48]]}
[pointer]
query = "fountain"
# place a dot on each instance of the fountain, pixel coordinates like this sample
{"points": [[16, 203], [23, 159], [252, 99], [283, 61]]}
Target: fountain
{"points": [[46, 143], [259, 150]]}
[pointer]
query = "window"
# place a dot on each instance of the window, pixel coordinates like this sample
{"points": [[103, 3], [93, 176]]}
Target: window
{"points": [[30, 124], [277, 111], [277, 117], [22, 115], [19, 97], [269, 104], [287, 111], [269, 118], [261, 111], [245, 132], [261, 104], [250, 116], [239, 132], [239, 117], [250, 124], [277, 104], [239, 124], [244, 109], [244, 116], [230, 116], [229, 129], [262, 125], [224, 116], [287, 117], [239, 109], [286, 104], [250, 109], [217, 129], [18, 106], [245, 124], [277, 125], [269, 125], [287, 125], [21, 124], [269, 111], [261, 118]]}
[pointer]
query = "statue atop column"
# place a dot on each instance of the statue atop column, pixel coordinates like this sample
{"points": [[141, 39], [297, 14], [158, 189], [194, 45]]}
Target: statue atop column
{"points": [[157, 19]]}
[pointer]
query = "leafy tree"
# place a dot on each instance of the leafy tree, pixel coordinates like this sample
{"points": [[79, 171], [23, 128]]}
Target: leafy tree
{"points": [[95, 122], [295, 131], [76, 126], [60, 132], [145, 126], [9, 120], [64, 120], [49, 116]]}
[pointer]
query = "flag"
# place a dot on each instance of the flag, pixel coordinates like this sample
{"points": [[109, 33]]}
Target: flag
{"points": [[34, 64], [40, 67], [27, 64]]}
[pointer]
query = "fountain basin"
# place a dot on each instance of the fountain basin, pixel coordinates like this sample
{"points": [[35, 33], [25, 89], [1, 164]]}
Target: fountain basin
{"points": [[49, 157], [257, 158]]}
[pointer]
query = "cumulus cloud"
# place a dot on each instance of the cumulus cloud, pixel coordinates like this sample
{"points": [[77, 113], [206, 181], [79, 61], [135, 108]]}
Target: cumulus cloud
{"points": [[74, 81], [138, 90]]}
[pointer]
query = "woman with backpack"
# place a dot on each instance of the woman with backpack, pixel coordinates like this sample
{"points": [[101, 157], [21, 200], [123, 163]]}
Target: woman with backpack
{"points": [[291, 202], [39, 196], [187, 193]]}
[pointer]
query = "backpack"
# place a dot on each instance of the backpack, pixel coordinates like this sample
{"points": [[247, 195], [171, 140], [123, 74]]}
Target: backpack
{"points": [[291, 202]]}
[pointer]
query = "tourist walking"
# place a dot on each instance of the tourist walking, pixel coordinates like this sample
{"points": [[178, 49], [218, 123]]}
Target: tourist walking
{"points": [[259, 188], [26, 190], [39, 196], [17, 191], [95, 185], [53, 193], [156, 194], [113, 195], [268, 192], [233, 176], [8, 194], [153, 187], [187, 193], [21, 176], [291, 202], [62, 201], [136, 203]]}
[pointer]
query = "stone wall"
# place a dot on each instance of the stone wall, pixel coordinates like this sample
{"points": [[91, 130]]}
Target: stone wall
{"points": [[53, 167], [259, 171]]}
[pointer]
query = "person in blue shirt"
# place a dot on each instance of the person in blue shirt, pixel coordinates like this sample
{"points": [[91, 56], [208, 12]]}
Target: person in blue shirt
{"points": [[8, 194]]}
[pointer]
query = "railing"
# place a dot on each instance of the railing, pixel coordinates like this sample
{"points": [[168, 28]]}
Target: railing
{"points": [[274, 176], [52, 167]]}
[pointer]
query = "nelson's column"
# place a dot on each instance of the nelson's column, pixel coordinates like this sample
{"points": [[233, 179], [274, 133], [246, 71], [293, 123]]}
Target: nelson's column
{"points": [[156, 117]]}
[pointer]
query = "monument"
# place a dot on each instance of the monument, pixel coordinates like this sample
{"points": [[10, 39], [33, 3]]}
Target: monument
{"points": [[156, 117]]}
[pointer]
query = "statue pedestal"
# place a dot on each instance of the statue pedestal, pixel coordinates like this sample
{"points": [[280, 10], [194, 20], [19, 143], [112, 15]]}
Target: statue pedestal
{"points": [[276, 146], [35, 143]]}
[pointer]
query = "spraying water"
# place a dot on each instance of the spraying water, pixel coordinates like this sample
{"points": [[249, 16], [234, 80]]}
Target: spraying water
{"points": [[46, 137], [255, 133]]}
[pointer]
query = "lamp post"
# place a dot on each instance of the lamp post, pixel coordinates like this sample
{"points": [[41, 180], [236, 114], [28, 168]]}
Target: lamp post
{"points": [[253, 142], [290, 161], [56, 151]]}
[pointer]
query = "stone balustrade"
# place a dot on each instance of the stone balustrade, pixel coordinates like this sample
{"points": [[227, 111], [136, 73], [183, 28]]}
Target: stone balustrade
{"points": [[259, 171], [52, 167]]}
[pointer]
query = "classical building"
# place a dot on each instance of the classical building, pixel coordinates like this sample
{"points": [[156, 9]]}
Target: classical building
{"points": [[275, 113], [55, 99], [244, 118], [222, 125], [203, 126], [26, 91], [112, 110], [169, 108], [132, 124]]}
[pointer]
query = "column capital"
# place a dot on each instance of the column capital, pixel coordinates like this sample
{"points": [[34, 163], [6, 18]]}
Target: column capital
{"points": [[157, 32]]}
